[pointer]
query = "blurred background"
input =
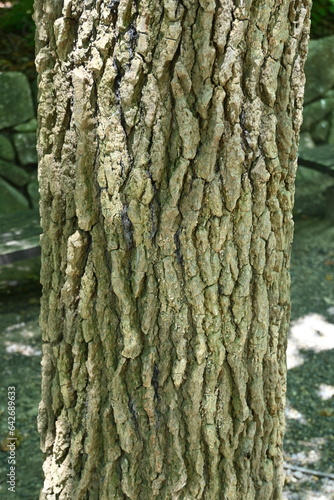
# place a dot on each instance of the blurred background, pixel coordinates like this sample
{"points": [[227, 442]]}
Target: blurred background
{"points": [[309, 440]]}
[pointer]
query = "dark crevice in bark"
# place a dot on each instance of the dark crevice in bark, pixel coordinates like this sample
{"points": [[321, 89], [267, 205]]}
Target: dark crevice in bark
{"points": [[179, 256], [128, 227]]}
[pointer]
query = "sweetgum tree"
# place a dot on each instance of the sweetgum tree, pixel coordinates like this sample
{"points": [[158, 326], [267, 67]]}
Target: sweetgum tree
{"points": [[167, 145]]}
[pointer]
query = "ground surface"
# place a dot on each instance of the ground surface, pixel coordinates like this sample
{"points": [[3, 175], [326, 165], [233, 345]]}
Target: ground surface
{"points": [[20, 352], [310, 400], [309, 439]]}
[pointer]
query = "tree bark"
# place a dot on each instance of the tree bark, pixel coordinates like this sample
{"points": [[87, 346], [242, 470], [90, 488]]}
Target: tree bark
{"points": [[167, 149]]}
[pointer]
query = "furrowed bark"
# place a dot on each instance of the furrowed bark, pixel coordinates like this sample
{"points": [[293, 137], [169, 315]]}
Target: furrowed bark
{"points": [[167, 156]]}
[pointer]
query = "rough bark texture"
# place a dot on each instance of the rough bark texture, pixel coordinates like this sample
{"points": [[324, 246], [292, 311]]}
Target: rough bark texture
{"points": [[167, 145]]}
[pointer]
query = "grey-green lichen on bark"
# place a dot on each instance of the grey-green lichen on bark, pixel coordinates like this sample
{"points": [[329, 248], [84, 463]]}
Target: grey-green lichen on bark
{"points": [[167, 155]]}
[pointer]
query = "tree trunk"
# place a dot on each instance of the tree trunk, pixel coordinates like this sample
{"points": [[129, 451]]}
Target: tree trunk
{"points": [[167, 146]]}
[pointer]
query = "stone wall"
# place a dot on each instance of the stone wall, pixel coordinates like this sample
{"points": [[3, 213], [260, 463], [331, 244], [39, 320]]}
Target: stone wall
{"points": [[312, 188], [318, 121], [18, 158]]}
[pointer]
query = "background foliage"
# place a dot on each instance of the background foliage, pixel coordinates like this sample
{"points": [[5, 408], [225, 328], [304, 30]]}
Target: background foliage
{"points": [[15, 17], [322, 18]]}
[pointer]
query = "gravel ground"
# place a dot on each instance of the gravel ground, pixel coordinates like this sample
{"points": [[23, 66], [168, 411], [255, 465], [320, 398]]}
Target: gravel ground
{"points": [[20, 355], [309, 442], [309, 439]]}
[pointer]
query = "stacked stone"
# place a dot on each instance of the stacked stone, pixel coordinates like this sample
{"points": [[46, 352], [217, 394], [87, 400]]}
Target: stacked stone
{"points": [[318, 116], [18, 157]]}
